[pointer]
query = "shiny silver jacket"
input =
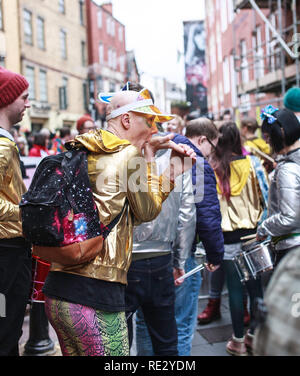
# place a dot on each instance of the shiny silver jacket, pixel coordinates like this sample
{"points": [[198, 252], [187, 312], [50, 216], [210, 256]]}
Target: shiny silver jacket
{"points": [[174, 228], [284, 203]]}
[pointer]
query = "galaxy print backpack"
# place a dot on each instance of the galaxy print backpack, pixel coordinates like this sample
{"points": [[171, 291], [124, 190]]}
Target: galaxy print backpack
{"points": [[59, 214]]}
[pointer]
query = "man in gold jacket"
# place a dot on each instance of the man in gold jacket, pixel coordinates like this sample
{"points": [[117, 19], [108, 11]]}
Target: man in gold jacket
{"points": [[86, 303], [15, 252]]}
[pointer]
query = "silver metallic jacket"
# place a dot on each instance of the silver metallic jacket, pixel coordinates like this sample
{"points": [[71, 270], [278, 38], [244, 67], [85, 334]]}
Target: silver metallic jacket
{"points": [[284, 203], [174, 228]]}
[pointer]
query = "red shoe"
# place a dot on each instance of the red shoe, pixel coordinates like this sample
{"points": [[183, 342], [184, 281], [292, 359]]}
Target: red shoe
{"points": [[211, 312], [236, 347]]}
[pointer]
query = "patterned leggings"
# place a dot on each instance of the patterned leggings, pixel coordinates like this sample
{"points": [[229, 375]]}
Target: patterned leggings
{"points": [[84, 331]]}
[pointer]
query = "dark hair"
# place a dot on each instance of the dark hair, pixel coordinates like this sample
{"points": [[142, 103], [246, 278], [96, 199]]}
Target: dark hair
{"points": [[65, 131], [229, 144], [285, 131], [250, 123], [135, 86], [201, 127], [40, 139]]}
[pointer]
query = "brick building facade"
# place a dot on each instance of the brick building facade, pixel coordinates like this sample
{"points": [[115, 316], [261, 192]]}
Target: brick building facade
{"points": [[106, 51], [247, 65]]}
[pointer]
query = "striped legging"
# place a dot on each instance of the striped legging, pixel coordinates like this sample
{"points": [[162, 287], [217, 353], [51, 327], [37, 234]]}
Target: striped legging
{"points": [[84, 331]]}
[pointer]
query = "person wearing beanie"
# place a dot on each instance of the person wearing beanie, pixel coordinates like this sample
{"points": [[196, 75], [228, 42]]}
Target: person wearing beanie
{"points": [[15, 252], [85, 124], [291, 101]]}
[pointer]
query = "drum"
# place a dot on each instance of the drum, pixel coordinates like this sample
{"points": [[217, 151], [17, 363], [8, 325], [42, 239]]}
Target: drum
{"points": [[255, 259], [40, 270]]}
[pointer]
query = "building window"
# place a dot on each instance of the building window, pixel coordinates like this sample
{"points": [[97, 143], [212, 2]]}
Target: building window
{"points": [[120, 34], [63, 44], [81, 12], [233, 79], [258, 54], [112, 27], [108, 25], [230, 11], [100, 84], [85, 88], [61, 6], [122, 63], [1, 16], [223, 9], [99, 18], [2, 61], [29, 74], [226, 75], [43, 86], [101, 53], [28, 27], [63, 94], [112, 86], [213, 57], [41, 33], [244, 62], [83, 53], [112, 58]]}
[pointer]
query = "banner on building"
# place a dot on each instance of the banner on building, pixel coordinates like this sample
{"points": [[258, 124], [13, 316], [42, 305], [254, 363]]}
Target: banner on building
{"points": [[195, 67]]}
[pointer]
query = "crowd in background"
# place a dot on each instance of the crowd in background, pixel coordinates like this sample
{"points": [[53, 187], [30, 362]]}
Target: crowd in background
{"points": [[249, 189]]}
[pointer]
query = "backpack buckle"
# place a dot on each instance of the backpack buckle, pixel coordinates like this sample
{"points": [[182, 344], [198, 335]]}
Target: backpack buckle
{"points": [[71, 215]]}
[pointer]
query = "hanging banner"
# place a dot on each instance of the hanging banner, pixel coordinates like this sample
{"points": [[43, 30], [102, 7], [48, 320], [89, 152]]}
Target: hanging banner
{"points": [[195, 66]]}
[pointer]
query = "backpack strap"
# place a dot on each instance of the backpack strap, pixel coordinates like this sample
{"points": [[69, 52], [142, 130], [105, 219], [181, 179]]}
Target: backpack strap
{"points": [[112, 224]]}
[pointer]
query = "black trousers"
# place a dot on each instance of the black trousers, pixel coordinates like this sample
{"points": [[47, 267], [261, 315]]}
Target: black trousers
{"points": [[15, 281]]}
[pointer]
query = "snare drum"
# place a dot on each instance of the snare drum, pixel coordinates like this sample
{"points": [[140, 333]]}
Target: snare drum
{"points": [[40, 270], [255, 259]]}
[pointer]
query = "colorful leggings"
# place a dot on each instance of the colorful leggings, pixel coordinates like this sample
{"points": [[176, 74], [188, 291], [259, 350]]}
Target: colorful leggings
{"points": [[84, 331]]}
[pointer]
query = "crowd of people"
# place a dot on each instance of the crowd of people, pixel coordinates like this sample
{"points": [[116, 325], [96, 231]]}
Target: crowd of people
{"points": [[200, 182]]}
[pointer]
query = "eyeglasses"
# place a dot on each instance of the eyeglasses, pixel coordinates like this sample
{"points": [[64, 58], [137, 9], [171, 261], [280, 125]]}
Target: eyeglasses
{"points": [[211, 144]]}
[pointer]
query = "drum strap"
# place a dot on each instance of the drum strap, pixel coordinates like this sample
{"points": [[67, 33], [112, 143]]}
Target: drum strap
{"points": [[277, 239]]}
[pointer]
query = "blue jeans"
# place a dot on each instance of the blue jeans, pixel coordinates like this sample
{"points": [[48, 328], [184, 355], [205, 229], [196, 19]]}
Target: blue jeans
{"points": [[143, 339], [217, 281], [151, 287], [186, 308]]}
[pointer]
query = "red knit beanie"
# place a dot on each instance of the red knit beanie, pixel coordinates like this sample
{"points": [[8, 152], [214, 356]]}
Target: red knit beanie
{"points": [[12, 86], [82, 120]]}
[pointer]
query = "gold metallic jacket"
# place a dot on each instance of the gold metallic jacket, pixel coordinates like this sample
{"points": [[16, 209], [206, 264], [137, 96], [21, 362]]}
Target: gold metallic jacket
{"points": [[117, 172], [244, 209], [11, 190]]}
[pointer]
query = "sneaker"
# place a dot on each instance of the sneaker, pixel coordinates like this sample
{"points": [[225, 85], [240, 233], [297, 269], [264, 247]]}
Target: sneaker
{"points": [[236, 347]]}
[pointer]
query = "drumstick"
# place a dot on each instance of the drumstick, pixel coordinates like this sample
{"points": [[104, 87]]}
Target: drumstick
{"points": [[253, 236], [191, 272]]}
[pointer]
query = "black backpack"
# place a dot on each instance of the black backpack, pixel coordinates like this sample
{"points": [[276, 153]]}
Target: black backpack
{"points": [[59, 214]]}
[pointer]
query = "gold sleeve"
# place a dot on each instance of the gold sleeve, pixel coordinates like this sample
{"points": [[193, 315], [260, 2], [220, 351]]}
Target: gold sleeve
{"points": [[147, 192], [9, 189]]}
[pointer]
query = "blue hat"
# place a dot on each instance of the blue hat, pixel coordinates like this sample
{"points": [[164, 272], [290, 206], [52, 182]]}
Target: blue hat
{"points": [[291, 99]]}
